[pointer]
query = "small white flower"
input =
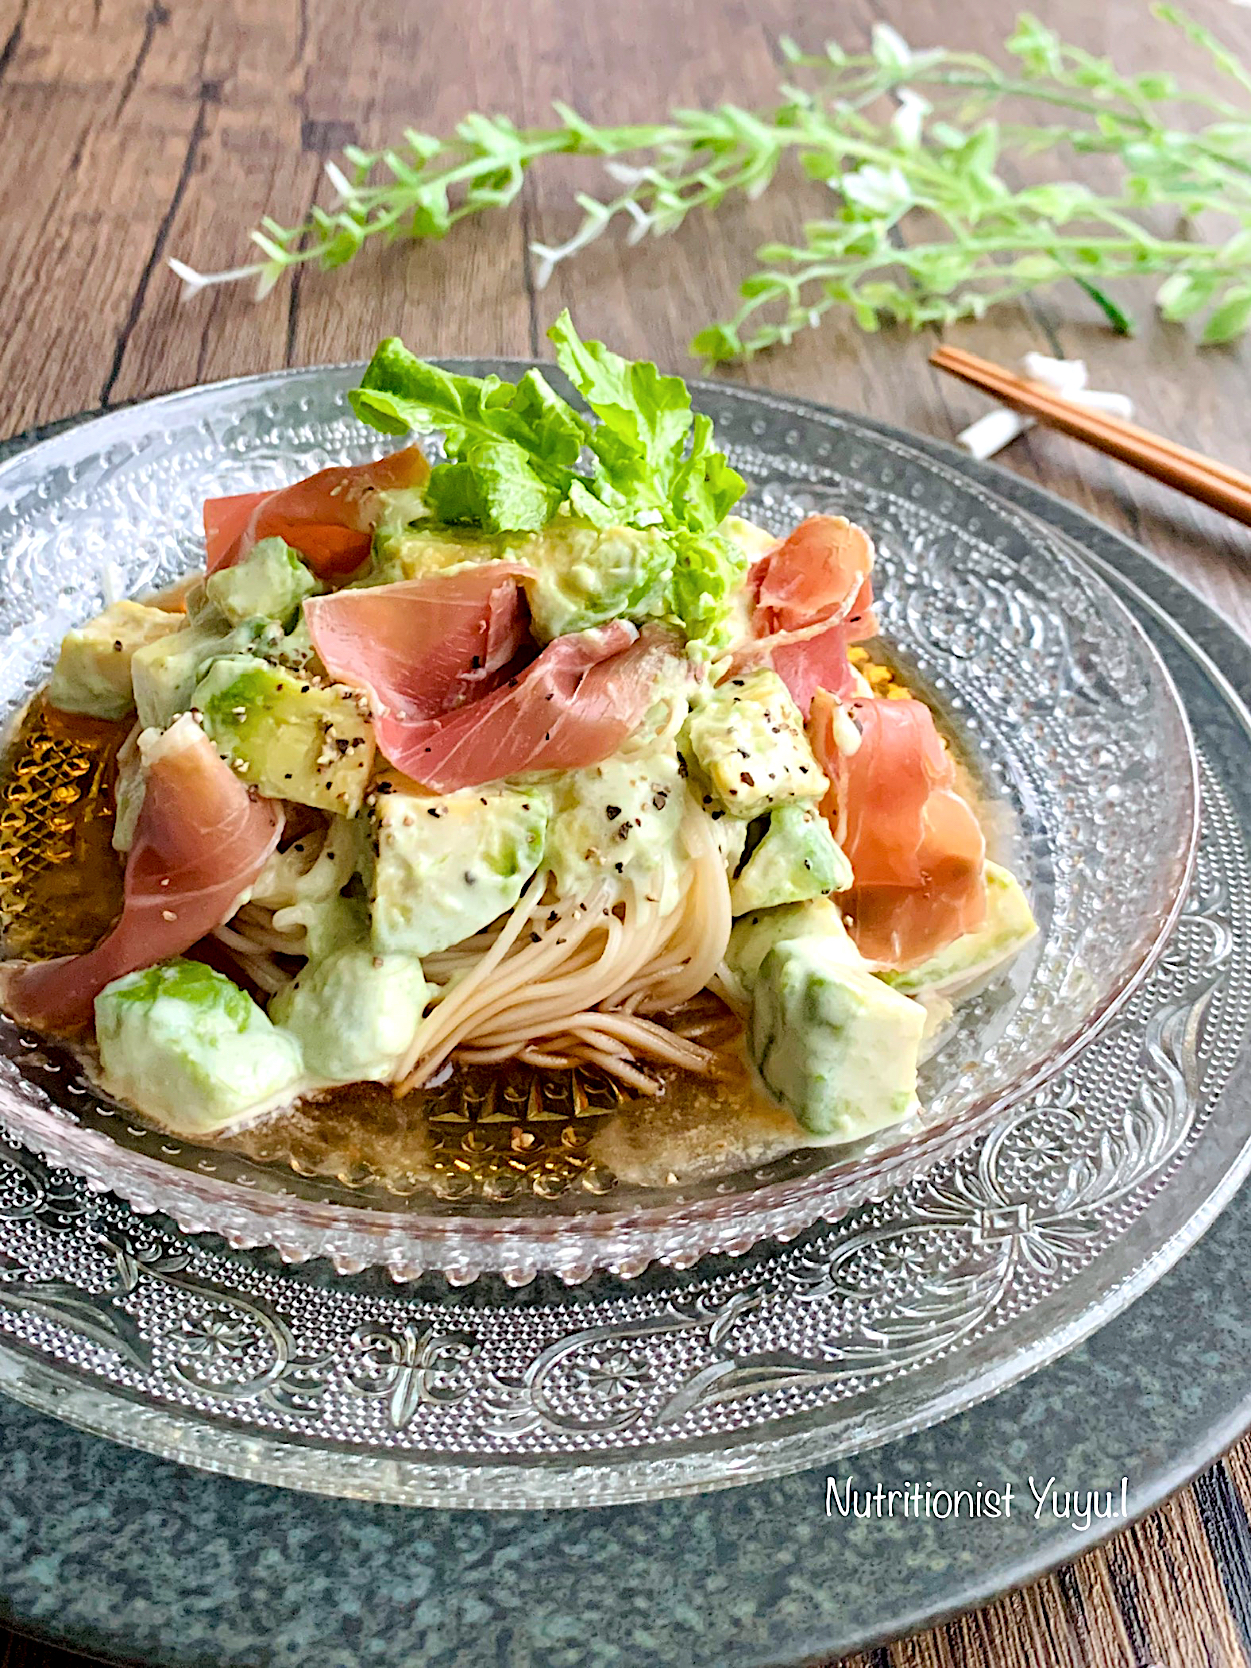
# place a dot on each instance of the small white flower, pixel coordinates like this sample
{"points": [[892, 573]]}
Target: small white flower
{"points": [[625, 174], [890, 48], [909, 119], [549, 258], [642, 222]]}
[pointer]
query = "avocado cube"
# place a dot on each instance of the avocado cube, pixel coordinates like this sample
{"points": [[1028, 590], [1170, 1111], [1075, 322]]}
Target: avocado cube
{"points": [[747, 737], [191, 1050], [587, 575], [797, 859], [166, 672], [93, 670], [353, 1014], [129, 787], [1009, 925], [446, 866], [619, 823], [290, 736], [834, 1045], [412, 552], [753, 935], [271, 582]]}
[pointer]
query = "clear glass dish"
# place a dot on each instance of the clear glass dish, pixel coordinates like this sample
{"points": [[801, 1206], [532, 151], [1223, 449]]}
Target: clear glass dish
{"points": [[1062, 705]]}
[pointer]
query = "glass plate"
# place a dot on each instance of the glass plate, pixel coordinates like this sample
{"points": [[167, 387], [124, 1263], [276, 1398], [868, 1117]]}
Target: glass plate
{"points": [[1056, 694], [904, 1312]]}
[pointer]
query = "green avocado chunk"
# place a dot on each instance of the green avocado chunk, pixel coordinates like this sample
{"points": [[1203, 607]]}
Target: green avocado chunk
{"points": [[583, 575], [93, 670], [833, 1044], [290, 736], [754, 935], [1009, 925], [797, 859], [353, 1014], [191, 1050], [270, 582], [165, 673], [747, 737], [618, 822], [445, 866]]}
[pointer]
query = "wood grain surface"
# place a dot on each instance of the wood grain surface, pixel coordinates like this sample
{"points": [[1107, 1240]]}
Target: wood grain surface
{"points": [[129, 133]]}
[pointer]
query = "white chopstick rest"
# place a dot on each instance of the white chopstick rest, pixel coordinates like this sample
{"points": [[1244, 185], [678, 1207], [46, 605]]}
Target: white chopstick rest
{"points": [[991, 433], [1066, 376], [1001, 425]]}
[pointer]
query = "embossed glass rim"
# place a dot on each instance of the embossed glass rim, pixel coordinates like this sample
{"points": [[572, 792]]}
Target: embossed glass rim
{"points": [[463, 1246], [1122, 1275]]}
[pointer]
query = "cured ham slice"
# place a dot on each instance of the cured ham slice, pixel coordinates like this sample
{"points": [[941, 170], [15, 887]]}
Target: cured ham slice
{"points": [[814, 598], [807, 664], [815, 574], [915, 846], [200, 841], [329, 517], [573, 706], [441, 660], [424, 646]]}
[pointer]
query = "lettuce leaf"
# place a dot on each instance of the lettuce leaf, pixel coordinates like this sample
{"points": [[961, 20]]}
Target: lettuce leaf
{"points": [[517, 453], [708, 568], [493, 487]]}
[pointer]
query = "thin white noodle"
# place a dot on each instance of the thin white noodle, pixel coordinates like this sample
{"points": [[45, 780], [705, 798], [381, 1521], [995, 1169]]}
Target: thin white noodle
{"points": [[236, 941], [604, 1029], [624, 1070], [553, 985], [546, 1062], [433, 1030], [261, 969], [557, 973]]}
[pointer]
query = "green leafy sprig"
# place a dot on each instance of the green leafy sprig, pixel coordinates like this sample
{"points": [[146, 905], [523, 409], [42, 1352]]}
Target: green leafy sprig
{"points": [[516, 452], [917, 150]]}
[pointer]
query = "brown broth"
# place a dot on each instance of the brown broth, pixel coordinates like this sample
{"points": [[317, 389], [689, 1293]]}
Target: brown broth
{"points": [[60, 879]]}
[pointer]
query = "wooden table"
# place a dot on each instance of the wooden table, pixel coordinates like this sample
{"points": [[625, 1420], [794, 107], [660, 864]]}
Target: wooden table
{"points": [[132, 134]]}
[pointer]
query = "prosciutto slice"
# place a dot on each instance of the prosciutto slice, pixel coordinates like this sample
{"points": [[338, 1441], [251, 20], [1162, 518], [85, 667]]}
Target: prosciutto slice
{"points": [[915, 846], [806, 664], [200, 841], [424, 646], [573, 706], [443, 660], [813, 575], [329, 517], [814, 598]]}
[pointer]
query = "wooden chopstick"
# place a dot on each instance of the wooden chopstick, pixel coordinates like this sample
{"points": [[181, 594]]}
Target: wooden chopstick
{"points": [[1189, 472]]}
